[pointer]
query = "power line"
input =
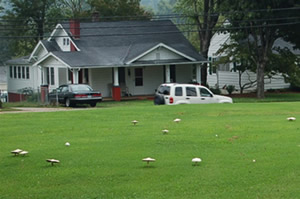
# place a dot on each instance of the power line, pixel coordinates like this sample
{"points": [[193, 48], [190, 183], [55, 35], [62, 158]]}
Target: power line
{"points": [[145, 26], [162, 32], [169, 16]]}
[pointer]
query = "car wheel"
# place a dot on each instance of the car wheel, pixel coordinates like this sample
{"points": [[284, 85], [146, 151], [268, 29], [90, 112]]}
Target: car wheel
{"points": [[159, 99], [68, 103], [93, 104]]}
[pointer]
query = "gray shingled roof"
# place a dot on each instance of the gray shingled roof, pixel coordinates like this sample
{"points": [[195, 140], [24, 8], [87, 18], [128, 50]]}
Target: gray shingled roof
{"points": [[115, 43], [19, 61]]}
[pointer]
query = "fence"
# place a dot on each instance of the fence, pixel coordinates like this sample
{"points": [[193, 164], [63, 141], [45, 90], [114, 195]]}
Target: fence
{"points": [[38, 95]]}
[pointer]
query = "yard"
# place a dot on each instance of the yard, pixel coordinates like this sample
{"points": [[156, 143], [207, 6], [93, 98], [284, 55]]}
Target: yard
{"points": [[248, 150]]}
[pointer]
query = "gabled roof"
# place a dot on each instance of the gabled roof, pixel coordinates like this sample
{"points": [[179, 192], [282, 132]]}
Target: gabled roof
{"points": [[117, 43]]}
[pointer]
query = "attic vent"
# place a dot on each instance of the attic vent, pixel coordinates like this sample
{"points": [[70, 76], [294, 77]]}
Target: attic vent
{"points": [[157, 55]]}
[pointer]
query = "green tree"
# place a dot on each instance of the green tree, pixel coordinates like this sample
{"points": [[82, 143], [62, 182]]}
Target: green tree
{"points": [[204, 13], [27, 22], [118, 8], [260, 23]]}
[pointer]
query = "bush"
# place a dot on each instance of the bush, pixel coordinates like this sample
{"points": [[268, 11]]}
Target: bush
{"points": [[216, 91], [230, 89], [0, 104]]}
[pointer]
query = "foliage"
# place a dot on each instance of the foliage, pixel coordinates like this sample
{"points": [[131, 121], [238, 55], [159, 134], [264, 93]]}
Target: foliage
{"points": [[106, 152], [216, 91], [0, 104], [230, 89], [120, 8], [260, 32], [203, 13]]}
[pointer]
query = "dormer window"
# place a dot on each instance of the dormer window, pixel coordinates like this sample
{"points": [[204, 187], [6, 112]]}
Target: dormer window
{"points": [[64, 41], [68, 41]]}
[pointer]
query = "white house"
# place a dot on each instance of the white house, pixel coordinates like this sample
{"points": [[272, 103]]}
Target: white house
{"points": [[224, 75], [117, 58]]}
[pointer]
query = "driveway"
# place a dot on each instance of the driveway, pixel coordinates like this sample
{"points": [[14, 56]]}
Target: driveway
{"points": [[36, 110]]}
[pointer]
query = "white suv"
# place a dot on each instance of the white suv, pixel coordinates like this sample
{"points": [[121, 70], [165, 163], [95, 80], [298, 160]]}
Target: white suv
{"points": [[172, 93]]}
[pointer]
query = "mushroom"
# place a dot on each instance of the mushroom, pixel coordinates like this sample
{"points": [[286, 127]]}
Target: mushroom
{"points": [[52, 161], [253, 160], [177, 120], [134, 122], [165, 131], [23, 153], [196, 160], [67, 144], [291, 118], [148, 160], [17, 151]]}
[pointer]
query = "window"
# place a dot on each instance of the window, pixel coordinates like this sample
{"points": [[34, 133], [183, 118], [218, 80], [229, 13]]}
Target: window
{"points": [[224, 67], [138, 76], [52, 76], [23, 72], [10, 71], [68, 41], [191, 91], [19, 72], [164, 90], [205, 93], [47, 76], [64, 41], [27, 73], [178, 91], [15, 72]]}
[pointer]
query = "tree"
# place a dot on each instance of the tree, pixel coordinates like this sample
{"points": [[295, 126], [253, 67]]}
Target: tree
{"points": [[118, 8], [204, 13], [28, 22], [74, 8], [260, 24]]}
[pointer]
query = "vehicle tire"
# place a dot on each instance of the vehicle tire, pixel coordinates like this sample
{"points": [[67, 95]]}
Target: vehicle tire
{"points": [[159, 99], [93, 104], [68, 102]]}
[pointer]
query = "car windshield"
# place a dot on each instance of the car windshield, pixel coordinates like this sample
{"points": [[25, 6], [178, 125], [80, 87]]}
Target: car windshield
{"points": [[81, 88], [164, 90]]}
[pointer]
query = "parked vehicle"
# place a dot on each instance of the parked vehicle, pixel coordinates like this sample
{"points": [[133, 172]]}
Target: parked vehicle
{"points": [[72, 94], [173, 93]]}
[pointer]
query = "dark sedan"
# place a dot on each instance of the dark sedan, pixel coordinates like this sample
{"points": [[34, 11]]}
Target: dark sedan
{"points": [[72, 94]]}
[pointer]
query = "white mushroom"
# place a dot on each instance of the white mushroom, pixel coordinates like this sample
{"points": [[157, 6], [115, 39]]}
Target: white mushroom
{"points": [[17, 151], [23, 153], [165, 131], [196, 160], [53, 161], [134, 122], [67, 144], [291, 118], [148, 160], [177, 120], [253, 160]]}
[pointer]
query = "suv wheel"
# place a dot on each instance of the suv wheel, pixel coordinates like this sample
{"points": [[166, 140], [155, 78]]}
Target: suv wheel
{"points": [[68, 103], [159, 99], [93, 104]]}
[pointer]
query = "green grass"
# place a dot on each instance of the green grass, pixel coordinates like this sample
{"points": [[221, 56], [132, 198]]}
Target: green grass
{"points": [[271, 97], [104, 159]]}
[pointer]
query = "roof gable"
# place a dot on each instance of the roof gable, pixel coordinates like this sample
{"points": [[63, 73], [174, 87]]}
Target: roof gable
{"points": [[160, 52]]}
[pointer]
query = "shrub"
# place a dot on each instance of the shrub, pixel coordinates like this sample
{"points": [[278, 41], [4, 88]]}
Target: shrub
{"points": [[216, 91], [230, 89], [0, 104]]}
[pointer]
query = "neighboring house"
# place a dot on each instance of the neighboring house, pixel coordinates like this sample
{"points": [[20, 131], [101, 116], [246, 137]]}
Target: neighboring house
{"points": [[224, 74], [3, 80], [117, 58]]}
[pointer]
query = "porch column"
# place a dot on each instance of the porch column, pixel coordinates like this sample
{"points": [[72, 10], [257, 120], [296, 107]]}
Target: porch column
{"points": [[116, 90], [168, 74], [75, 75], [198, 73]]}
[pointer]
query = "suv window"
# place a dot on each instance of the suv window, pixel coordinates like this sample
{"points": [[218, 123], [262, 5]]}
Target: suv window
{"points": [[191, 91], [165, 90], [205, 93], [178, 91]]}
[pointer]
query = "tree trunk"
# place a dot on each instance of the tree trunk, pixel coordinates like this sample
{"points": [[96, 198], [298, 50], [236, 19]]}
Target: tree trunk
{"points": [[260, 81]]}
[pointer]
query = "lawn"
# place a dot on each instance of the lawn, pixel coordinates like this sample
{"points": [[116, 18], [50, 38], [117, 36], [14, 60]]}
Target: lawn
{"points": [[106, 152]]}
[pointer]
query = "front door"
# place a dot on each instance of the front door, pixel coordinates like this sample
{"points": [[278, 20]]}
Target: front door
{"points": [[138, 81]]}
